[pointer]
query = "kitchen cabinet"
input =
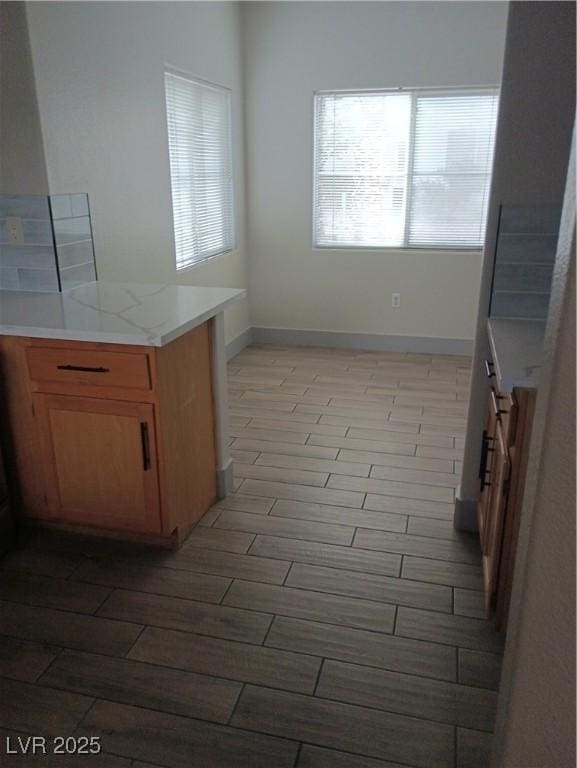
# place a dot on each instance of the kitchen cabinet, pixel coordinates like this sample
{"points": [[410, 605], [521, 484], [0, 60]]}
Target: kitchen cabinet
{"points": [[101, 463], [502, 477], [7, 531], [112, 437]]}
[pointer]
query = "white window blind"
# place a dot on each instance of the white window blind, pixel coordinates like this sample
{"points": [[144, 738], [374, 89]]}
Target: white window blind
{"points": [[199, 142], [403, 168]]}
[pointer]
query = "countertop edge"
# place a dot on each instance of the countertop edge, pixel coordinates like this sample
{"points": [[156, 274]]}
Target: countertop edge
{"points": [[506, 383], [111, 337]]}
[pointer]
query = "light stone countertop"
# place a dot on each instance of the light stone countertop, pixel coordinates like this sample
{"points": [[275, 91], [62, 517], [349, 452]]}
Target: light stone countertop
{"points": [[517, 350], [115, 313]]}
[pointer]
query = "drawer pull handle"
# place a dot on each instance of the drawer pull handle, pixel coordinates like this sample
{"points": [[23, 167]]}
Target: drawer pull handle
{"points": [[496, 410], [145, 446], [83, 368], [489, 369]]}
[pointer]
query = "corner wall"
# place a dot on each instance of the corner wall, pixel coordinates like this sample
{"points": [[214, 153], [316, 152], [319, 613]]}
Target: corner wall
{"points": [[99, 75], [22, 167], [295, 48]]}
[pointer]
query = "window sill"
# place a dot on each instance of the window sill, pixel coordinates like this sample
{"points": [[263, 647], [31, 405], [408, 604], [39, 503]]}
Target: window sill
{"points": [[397, 248], [184, 270]]}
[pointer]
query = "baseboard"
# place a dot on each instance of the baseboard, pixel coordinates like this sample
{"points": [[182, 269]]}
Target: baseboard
{"points": [[225, 480], [239, 343], [465, 518], [369, 341]]}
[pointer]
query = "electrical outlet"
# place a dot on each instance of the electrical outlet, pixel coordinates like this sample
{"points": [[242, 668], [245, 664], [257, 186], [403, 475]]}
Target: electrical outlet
{"points": [[14, 227], [396, 300]]}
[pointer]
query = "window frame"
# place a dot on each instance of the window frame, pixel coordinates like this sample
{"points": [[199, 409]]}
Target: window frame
{"points": [[448, 90], [172, 70]]}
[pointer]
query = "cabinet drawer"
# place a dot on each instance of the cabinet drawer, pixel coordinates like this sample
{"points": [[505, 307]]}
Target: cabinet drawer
{"points": [[88, 367]]}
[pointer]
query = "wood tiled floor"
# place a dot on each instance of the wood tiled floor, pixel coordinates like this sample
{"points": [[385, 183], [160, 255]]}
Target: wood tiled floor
{"points": [[325, 615]]}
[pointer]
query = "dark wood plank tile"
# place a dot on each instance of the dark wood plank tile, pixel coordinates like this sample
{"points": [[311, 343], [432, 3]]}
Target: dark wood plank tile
{"points": [[392, 460], [435, 529], [32, 589], [56, 564], [36, 710], [370, 587], [304, 493], [469, 602], [287, 449], [323, 513], [436, 700], [160, 581], [23, 660], [319, 757], [243, 457], [479, 668], [380, 446], [317, 465], [224, 658], [439, 572], [425, 477], [473, 748], [405, 544], [444, 451], [280, 412], [476, 634], [258, 505], [435, 510], [68, 630], [187, 615], [143, 684], [138, 764], [172, 740], [209, 517], [296, 427], [280, 475], [268, 434], [327, 554], [391, 488], [231, 565], [302, 603], [343, 726], [411, 438], [292, 529], [382, 428], [213, 538], [371, 648]]}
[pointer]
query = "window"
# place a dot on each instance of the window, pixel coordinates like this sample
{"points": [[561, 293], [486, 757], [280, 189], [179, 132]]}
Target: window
{"points": [[199, 143], [403, 169]]}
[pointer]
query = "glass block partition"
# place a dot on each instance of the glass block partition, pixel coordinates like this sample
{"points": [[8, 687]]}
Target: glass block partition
{"points": [[45, 242]]}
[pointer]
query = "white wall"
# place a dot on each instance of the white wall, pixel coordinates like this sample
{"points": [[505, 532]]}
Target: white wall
{"points": [[99, 76], [22, 167], [295, 48]]}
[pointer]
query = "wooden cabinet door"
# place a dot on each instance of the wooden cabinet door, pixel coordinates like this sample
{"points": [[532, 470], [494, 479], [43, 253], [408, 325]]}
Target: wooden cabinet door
{"points": [[100, 462], [492, 539]]}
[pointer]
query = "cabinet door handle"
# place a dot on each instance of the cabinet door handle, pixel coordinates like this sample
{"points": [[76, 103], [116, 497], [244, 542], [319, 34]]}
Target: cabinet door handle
{"points": [[494, 401], [485, 451], [145, 445], [489, 369], [84, 368]]}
